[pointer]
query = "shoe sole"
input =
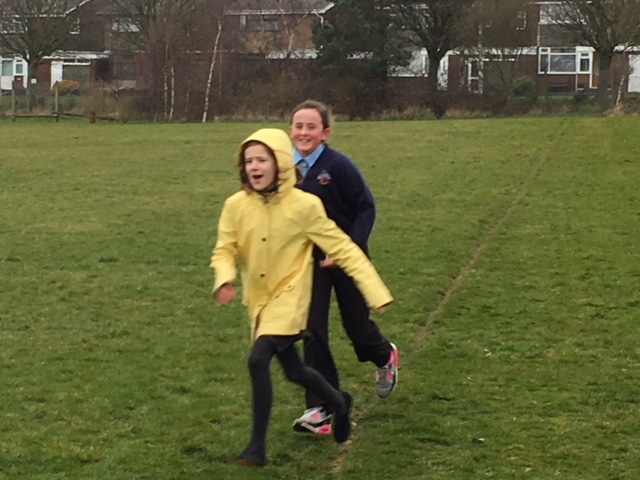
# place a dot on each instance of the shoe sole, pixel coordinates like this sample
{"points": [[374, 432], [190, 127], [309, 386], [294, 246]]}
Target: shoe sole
{"points": [[309, 428], [245, 462], [251, 462]]}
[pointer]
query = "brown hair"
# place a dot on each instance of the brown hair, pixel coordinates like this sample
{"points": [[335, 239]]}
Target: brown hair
{"points": [[321, 108]]}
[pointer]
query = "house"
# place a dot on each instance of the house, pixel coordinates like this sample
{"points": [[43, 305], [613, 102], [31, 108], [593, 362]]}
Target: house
{"points": [[524, 43], [13, 72], [73, 27], [536, 47], [100, 48], [274, 28], [500, 49]]}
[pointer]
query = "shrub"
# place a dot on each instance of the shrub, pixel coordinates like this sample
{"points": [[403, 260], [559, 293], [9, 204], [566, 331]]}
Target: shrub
{"points": [[580, 97], [525, 87], [66, 87], [68, 103], [103, 103]]}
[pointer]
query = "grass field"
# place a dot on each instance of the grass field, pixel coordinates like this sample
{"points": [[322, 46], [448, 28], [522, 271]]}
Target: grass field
{"points": [[511, 246]]}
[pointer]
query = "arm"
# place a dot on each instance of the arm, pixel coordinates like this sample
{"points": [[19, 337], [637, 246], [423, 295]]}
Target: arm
{"points": [[223, 260], [360, 201], [331, 239]]}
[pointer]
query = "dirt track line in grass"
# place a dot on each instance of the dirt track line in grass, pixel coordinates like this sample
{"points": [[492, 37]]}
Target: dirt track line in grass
{"points": [[469, 266], [465, 271]]}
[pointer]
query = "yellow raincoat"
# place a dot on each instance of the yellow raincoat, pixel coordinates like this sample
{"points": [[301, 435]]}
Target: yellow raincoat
{"points": [[272, 237]]}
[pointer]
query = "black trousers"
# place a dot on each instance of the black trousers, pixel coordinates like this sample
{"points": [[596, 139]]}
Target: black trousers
{"points": [[365, 336]]}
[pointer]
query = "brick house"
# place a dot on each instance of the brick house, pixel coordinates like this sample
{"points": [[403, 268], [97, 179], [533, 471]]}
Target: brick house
{"points": [[274, 28], [540, 50], [83, 59], [99, 49]]}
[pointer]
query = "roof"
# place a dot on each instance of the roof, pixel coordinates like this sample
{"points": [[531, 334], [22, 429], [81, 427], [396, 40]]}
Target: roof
{"points": [[244, 7], [55, 8], [73, 4], [77, 55]]}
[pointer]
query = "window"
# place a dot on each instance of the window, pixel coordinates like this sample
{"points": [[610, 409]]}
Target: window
{"points": [[74, 28], [124, 25], [11, 25], [263, 23], [125, 69], [418, 65], [585, 62], [7, 68], [564, 60], [521, 20], [550, 13], [474, 74], [559, 12], [19, 67]]}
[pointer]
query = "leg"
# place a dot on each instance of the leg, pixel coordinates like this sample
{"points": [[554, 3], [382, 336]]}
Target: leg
{"points": [[262, 397], [317, 353], [368, 342], [310, 379]]}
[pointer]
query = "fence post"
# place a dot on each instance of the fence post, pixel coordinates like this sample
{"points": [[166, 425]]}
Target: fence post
{"points": [[57, 112], [13, 102]]}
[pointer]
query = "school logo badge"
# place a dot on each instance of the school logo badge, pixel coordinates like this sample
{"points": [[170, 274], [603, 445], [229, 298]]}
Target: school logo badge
{"points": [[324, 178]]}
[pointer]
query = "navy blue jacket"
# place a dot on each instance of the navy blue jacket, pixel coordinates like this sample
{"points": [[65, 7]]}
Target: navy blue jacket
{"points": [[345, 195]]}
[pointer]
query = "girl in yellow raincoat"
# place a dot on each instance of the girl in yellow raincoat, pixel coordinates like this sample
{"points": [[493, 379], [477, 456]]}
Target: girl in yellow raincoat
{"points": [[269, 229]]}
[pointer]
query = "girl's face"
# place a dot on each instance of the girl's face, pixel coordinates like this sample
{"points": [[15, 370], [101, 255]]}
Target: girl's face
{"points": [[260, 167], [307, 131]]}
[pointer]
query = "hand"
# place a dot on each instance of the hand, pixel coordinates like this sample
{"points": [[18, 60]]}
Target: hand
{"points": [[327, 262], [382, 308], [225, 294]]}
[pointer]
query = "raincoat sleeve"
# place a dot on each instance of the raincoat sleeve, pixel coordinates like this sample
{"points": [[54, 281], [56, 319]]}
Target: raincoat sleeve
{"points": [[225, 252], [332, 240]]}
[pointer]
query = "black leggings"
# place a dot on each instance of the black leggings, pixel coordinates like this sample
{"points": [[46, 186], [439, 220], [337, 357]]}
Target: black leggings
{"points": [[263, 350]]}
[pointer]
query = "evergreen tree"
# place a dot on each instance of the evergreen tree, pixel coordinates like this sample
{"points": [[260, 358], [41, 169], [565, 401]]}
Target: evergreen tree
{"points": [[356, 48]]}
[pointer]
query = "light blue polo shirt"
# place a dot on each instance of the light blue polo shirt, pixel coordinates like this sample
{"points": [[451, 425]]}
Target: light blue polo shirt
{"points": [[311, 159]]}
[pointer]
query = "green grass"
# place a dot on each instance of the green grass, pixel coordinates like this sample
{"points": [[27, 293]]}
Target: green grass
{"points": [[510, 246]]}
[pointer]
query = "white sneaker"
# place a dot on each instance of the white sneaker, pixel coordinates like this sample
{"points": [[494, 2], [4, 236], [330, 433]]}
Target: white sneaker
{"points": [[387, 376], [314, 420]]}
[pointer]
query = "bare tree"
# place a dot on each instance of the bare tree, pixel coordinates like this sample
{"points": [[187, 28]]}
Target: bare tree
{"points": [[604, 25], [33, 29], [493, 37], [300, 12], [216, 21], [434, 25], [292, 14], [162, 29], [270, 26], [212, 65]]}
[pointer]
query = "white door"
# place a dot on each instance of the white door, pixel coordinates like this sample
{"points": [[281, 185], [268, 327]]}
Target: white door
{"points": [[56, 71], [634, 76]]}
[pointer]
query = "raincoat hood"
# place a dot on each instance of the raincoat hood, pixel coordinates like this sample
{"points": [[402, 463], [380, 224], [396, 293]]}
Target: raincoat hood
{"points": [[271, 237], [279, 142]]}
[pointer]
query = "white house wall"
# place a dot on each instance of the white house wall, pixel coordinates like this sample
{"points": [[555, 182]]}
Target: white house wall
{"points": [[634, 76], [56, 71], [419, 67], [6, 81]]}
